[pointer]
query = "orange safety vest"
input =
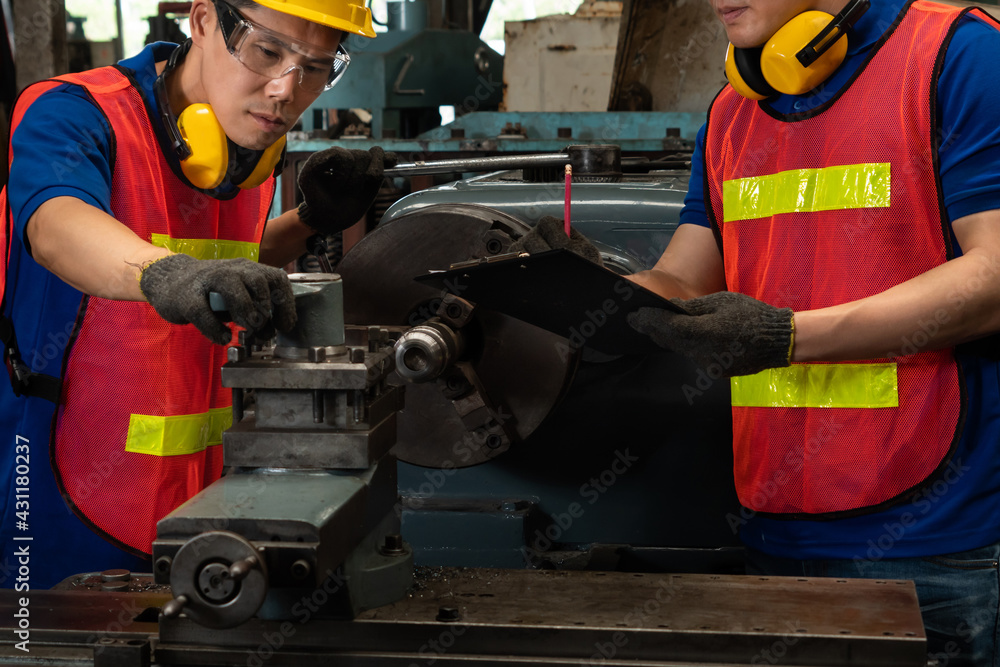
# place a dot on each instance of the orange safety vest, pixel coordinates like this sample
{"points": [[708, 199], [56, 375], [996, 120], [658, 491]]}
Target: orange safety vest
{"points": [[141, 413], [826, 207]]}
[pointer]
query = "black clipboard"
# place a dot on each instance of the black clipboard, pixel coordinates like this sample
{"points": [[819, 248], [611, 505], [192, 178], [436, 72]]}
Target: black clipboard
{"points": [[560, 292]]}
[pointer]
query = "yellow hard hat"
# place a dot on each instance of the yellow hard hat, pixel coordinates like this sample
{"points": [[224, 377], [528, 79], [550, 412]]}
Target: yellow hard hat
{"points": [[347, 15]]}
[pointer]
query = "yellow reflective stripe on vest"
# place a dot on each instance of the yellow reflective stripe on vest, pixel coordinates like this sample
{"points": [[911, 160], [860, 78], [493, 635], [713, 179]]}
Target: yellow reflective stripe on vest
{"points": [[177, 435], [208, 248], [819, 386], [805, 190]]}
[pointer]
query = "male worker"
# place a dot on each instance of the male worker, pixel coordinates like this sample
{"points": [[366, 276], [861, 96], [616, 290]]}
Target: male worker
{"points": [[839, 247], [856, 226], [135, 191]]}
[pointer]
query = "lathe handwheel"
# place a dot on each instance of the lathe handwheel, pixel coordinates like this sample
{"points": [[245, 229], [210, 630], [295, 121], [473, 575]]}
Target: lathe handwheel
{"points": [[221, 577]]}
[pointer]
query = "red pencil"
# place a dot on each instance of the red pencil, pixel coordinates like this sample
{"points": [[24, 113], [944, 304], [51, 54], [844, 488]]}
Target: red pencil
{"points": [[569, 190]]}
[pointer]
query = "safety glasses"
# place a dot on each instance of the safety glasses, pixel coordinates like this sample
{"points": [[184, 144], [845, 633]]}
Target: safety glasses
{"points": [[271, 54]]}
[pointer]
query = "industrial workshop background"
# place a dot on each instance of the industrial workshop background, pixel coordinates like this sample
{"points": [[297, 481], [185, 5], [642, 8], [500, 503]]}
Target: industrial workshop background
{"points": [[461, 447]]}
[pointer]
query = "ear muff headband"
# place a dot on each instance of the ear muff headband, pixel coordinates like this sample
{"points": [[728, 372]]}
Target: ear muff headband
{"points": [[201, 145], [799, 56]]}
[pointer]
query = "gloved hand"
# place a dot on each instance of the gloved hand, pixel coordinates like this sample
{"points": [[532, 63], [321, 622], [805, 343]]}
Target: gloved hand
{"points": [[258, 297], [550, 233], [339, 186], [730, 330]]}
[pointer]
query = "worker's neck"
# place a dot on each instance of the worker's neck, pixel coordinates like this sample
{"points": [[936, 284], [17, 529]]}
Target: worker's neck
{"points": [[184, 84], [831, 6]]}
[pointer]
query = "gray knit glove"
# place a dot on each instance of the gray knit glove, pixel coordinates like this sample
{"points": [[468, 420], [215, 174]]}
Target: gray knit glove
{"points": [[258, 297], [729, 330], [339, 185], [549, 233]]}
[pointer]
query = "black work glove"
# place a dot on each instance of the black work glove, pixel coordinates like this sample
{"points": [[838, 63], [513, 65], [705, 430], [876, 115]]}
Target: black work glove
{"points": [[733, 331], [549, 233], [258, 297], [339, 186]]}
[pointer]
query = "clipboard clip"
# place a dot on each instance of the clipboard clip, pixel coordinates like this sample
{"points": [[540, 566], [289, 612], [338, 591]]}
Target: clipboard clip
{"points": [[487, 260]]}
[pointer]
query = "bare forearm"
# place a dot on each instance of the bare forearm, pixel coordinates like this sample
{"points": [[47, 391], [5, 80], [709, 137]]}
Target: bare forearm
{"points": [[690, 266], [665, 284], [951, 304], [284, 239], [89, 249]]}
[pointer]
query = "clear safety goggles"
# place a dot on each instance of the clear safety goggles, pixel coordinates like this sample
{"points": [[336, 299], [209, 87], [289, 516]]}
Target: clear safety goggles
{"points": [[271, 54]]}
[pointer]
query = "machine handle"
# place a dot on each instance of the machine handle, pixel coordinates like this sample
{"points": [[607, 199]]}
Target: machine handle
{"points": [[217, 302]]}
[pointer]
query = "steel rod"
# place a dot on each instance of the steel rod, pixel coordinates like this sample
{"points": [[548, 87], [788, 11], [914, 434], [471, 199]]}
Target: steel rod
{"points": [[496, 163]]}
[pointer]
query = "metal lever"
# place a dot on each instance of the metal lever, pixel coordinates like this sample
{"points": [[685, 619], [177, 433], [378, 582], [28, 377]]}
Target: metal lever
{"points": [[316, 245], [239, 570], [175, 606], [217, 302]]}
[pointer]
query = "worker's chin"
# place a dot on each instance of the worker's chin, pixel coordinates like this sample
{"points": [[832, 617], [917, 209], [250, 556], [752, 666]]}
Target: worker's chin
{"points": [[256, 141], [744, 38], [254, 138]]}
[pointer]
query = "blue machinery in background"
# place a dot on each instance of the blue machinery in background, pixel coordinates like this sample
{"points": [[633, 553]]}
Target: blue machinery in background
{"points": [[404, 76], [494, 132]]}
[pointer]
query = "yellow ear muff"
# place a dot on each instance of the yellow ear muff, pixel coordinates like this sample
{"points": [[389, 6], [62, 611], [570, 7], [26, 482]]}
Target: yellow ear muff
{"points": [[209, 161], [736, 79], [265, 165], [778, 61]]}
